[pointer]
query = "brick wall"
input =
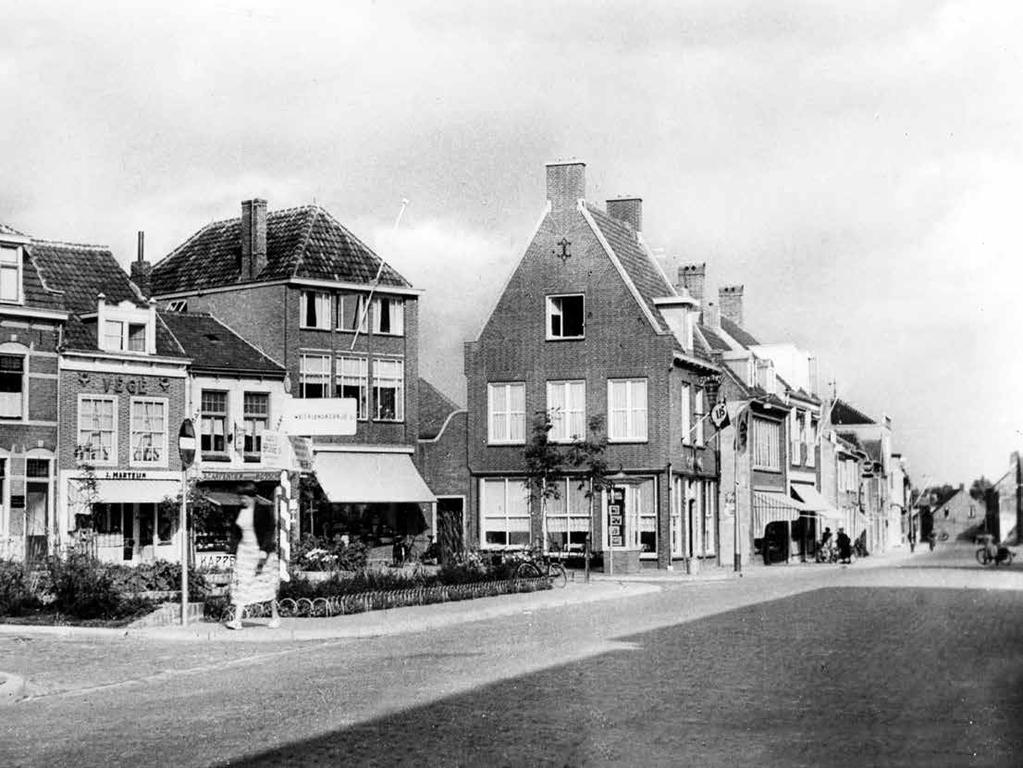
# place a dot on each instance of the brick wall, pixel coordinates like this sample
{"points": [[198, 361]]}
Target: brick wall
{"points": [[442, 461]]}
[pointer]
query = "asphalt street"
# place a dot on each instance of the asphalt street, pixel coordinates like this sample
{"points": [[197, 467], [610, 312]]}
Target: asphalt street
{"points": [[916, 662]]}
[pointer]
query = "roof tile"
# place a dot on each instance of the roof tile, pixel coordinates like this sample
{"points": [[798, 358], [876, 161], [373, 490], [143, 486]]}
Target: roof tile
{"points": [[215, 347]]}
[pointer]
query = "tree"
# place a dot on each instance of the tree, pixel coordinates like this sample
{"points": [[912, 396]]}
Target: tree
{"points": [[981, 488], [543, 460]]}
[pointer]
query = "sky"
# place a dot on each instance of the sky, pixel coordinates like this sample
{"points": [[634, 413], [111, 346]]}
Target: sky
{"points": [[855, 166]]}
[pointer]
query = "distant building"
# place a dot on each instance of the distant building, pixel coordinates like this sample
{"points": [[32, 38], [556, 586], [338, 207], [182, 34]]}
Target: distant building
{"points": [[958, 517], [1005, 515]]}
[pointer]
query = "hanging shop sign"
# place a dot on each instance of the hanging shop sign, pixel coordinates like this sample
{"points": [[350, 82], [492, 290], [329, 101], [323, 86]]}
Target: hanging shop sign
{"points": [[319, 416]]}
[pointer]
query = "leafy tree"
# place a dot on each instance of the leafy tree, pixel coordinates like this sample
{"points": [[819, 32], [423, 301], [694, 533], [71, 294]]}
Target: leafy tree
{"points": [[543, 459], [981, 488]]}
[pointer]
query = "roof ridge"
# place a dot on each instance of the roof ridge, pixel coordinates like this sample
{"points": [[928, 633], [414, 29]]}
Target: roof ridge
{"points": [[90, 246]]}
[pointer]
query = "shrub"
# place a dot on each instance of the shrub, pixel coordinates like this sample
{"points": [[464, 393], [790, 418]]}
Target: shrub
{"points": [[85, 588], [318, 553], [15, 595]]}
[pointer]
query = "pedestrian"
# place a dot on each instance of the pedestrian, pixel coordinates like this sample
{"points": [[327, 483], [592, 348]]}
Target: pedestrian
{"points": [[931, 538], [912, 541], [255, 567], [844, 546]]}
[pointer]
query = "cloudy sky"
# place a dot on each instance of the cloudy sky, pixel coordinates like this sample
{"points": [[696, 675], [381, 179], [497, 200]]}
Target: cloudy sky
{"points": [[856, 166]]}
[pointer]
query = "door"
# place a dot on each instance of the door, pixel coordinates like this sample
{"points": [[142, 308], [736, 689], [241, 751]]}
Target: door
{"points": [[677, 503], [450, 526], [37, 520]]}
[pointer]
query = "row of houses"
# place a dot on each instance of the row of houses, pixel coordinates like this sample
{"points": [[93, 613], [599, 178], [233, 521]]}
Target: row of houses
{"points": [[255, 314]]}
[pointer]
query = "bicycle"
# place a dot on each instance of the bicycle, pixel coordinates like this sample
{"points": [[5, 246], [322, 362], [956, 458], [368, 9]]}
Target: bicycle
{"points": [[538, 565]]}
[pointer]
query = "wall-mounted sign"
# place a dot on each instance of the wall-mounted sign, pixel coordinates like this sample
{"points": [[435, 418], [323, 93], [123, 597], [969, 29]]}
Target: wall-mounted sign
{"points": [[254, 476], [616, 517], [133, 385], [319, 416], [126, 475]]}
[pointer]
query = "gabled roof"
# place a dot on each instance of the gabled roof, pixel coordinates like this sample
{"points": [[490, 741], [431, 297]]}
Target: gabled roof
{"points": [[303, 242], [435, 409], [5, 230], [38, 294], [81, 273], [214, 347], [843, 413], [80, 336]]}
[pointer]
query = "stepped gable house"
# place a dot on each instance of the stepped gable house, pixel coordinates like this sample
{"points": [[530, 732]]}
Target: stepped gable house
{"points": [[309, 294], [589, 325]]}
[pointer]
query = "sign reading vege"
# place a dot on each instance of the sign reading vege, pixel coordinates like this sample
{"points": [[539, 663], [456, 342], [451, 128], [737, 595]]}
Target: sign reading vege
{"points": [[319, 416]]}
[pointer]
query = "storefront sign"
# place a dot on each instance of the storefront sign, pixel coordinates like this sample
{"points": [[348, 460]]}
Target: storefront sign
{"points": [[253, 476], [115, 475], [319, 416], [616, 517], [275, 449], [133, 385]]}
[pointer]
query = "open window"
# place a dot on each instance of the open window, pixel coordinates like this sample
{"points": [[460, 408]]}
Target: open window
{"points": [[12, 386], [565, 317]]}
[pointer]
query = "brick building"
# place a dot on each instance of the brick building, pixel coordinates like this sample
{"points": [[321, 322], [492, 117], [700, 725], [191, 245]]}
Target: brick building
{"points": [[311, 296], [589, 325], [441, 457], [32, 318]]}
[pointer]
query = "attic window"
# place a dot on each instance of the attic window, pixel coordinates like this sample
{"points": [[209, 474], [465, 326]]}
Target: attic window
{"points": [[565, 317], [10, 273], [213, 337], [178, 305]]}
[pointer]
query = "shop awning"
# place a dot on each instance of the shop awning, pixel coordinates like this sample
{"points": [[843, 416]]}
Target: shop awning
{"points": [[136, 491], [771, 507], [815, 502], [370, 478]]}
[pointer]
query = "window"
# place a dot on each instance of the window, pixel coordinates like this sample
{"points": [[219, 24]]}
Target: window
{"points": [[119, 336], [136, 338], [506, 409], [626, 400], [12, 386], [256, 413], [314, 376], [10, 273], [708, 534], [37, 469], [353, 382], [566, 404], [97, 430], [504, 509], [766, 445], [699, 415], [687, 413], [811, 441], [565, 318], [213, 422], [113, 330], [795, 439], [388, 316], [148, 431], [314, 310], [388, 389], [646, 503], [567, 520], [351, 311], [177, 305]]}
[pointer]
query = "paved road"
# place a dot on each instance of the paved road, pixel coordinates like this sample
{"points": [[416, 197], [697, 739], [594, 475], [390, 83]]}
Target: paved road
{"points": [[915, 663]]}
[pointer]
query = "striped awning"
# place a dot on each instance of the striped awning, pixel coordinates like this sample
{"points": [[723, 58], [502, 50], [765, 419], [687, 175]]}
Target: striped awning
{"points": [[769, 507]]}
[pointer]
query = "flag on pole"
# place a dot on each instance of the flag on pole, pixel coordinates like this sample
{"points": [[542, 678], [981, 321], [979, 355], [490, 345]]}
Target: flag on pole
{"points": [[719, 415], [742, 430]]}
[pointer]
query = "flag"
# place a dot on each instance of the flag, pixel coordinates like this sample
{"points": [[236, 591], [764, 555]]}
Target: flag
{"points": [[741, 430], [719, 416]]}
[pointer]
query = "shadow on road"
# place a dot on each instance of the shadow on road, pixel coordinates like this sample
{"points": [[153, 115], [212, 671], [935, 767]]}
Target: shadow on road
{"points": [[850, 676]]}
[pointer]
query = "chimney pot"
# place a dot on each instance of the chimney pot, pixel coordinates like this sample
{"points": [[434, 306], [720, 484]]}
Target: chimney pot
{"points": [[730, 299], [253, 234], [627, 209], [693, 278], [566, 184]]}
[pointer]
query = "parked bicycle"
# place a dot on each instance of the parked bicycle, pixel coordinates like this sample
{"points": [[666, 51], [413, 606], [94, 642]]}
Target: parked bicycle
{"points": [[989, 552], [538, 565]]}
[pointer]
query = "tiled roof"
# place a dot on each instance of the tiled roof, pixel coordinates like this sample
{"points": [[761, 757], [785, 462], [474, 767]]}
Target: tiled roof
{"points": [[434, 410], [82, 272], [303, 242], [843, 413], [716, 343], [737, 332], [215, 347], [38, 294], [80, 336], [5, 230]]}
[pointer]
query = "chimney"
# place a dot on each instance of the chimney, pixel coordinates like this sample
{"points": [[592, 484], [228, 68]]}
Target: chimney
{"points": [[730, 299], [253, 231], [692, 277], [627, 209], [566, 183], [712, 315], [142, 270]]}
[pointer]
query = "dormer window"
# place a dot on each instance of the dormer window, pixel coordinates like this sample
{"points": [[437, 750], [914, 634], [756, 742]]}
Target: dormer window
{"points": [[10, 274], [126, 328], [120, 336]]}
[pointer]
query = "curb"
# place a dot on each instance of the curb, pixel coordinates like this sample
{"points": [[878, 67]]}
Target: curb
{"points": [[12, 688]]}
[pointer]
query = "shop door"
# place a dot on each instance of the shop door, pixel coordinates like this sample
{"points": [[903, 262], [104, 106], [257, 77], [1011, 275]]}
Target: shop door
{"points": [[37, 520]]}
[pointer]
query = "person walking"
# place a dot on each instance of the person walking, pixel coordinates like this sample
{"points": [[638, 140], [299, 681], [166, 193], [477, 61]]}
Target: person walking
{"points": [[256, 576], [844, 547], [912, 541]]}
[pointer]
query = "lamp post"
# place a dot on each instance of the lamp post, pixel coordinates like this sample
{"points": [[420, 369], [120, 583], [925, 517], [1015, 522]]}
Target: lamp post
{"points": [[186, 451]]}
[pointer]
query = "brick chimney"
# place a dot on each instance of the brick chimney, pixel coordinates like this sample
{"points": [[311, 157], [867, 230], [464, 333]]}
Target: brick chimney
{"points": [[253, 233], [566, 184], [692, 277], [627, 209], [142, 270], [730, 299]]}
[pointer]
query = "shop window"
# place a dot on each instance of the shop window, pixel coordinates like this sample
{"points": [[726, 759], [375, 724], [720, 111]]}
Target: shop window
{"points": [[388, 389], [389, 316], [565, 317], [314, 310], [566, 405], [256, 407], [504, 512], [213, 423], [766, 445], [167, 518], [567, 518], [12, 386], [97, 430], [10, 274], [646, 509], [148, 431], [506, 413], [353, 382], [627, 410], [351, 311], [314, 376]]}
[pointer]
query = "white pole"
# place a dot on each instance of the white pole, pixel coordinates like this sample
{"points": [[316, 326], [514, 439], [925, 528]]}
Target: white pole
{"points": [[183, 533]]}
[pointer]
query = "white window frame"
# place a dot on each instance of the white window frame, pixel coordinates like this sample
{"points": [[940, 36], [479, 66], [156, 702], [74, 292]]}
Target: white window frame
{"points": [[22, 414], [510, 486], [555, 309], [564, 515], [687, 413], [766, 445], [795, 439], [381, 381], [306, 375], [699, 414], [322, 306], [163, 446], [204, 414], [252, 419], [501, 410], [12, 259], [361, 315], [568, 422], [112, 461], [636, 418], [395, 313], [345, 374], [811, 441]]}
